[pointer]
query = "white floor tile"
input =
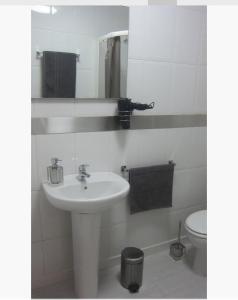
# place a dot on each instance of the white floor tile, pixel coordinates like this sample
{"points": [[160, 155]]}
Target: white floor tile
{"points": [[36, 230], [162, 278], [58, 291], [37, 258]]}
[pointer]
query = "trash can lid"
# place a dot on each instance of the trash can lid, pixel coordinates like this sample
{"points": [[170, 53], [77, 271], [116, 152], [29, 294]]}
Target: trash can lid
{"points": [[132, 255]]}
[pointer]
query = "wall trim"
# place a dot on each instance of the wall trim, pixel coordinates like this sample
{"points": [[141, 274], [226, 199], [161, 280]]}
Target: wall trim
{"points": [[71, 100], [59, 125], [149, 250]]}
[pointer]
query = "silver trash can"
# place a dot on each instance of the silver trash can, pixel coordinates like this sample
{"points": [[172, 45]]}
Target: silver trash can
{"points": [[132, 268]]}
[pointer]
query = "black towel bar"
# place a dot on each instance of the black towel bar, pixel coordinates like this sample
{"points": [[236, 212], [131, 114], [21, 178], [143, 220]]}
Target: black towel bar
{"points": [[39, 55], [125, 169]]}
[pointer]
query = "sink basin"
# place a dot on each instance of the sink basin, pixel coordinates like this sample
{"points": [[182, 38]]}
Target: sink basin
{"points": [[86, 200], [100, 190]]}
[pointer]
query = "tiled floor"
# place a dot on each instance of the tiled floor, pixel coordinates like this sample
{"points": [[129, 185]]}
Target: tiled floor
{"points": [[162, 278]]}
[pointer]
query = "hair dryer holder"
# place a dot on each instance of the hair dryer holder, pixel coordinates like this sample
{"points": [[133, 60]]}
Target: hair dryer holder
{"points": [[125, 109]]}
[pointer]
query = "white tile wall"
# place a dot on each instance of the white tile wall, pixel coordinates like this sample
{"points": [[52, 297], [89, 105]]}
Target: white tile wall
{"points": [[35, 82], [189, 188], [182, 89], [55, 223], [152, 38], [41, 109], [172, 74], [81, 19], [35, 182], [94, 108], [40, 39], [188, 35], [149, 228], [85, 84], [55, 145], [156, 77], [167, 59], [201, 89], [135, 78], [104, 148], [187, 147], [146, 147], [58, 255]]}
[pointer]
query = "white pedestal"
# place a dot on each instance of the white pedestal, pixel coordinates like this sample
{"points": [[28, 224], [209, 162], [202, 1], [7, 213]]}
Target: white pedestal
{"points": [[86, 230]]}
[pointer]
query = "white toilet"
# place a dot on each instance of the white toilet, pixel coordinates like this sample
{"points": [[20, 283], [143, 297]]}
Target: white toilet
{"points": [[196, 231]]}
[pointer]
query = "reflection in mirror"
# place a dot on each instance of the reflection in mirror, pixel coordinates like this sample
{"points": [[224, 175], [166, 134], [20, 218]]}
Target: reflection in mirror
{"points": [[79, 51]]}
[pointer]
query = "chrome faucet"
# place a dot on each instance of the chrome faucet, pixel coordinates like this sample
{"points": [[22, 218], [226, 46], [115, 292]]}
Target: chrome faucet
{"points": [[83, 173]]}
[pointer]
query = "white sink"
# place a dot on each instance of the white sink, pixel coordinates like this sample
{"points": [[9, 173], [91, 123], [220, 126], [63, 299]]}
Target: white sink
{"points": [[86, 200], [101, 190]]}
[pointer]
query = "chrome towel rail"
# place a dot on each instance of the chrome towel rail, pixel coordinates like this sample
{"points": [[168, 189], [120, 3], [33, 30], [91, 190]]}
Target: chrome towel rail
{"points": [[39, 55]]}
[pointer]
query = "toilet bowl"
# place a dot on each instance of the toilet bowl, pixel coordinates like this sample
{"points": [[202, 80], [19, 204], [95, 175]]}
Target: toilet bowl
{"points": [[196, 231]]}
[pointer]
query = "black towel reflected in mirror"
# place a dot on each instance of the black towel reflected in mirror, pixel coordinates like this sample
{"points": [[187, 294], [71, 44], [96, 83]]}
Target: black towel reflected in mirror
{"points": [[58, 74]]}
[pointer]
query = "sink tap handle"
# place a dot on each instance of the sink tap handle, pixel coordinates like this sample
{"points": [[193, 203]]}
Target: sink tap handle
{"points": [[83, 167]]}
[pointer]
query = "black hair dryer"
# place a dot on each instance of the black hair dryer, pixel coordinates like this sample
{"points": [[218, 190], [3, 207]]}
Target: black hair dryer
{"points": [[125, 109]]}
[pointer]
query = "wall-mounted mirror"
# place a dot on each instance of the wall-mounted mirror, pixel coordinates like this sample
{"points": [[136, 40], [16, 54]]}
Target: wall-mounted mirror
{"points": [[79, 51]]}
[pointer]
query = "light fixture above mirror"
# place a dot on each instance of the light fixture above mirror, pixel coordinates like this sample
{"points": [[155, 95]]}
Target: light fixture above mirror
{"points": [[44, 9]]}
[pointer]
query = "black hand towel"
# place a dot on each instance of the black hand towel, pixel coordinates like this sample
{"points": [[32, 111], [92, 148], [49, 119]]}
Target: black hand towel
{"points": [[58, 74], [151, 187]]}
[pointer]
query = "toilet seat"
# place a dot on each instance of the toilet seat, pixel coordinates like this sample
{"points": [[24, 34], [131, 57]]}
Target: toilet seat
{"points": [[196, 224]]}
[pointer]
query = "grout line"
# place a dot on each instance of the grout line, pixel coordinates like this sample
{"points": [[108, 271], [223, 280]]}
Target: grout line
{"points": [[35, 189], [189, 169], [146, 60], [108, 228], [149, 250], [61, 237], [62, 31], [168, 210]]}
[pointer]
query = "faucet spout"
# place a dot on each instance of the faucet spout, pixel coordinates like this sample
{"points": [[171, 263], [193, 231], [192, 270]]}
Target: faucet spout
{"points": [[83, 173]]}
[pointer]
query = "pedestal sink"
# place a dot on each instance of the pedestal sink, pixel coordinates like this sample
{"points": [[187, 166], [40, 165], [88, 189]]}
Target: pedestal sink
{"points": [[86, 200]]}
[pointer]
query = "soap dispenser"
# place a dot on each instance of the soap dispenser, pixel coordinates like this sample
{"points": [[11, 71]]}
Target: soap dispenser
{"points": [[55, 174]]}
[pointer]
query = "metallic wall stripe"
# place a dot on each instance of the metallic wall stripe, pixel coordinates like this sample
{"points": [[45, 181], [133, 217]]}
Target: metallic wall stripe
{"points": [[71, 100], [92, 124]]}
